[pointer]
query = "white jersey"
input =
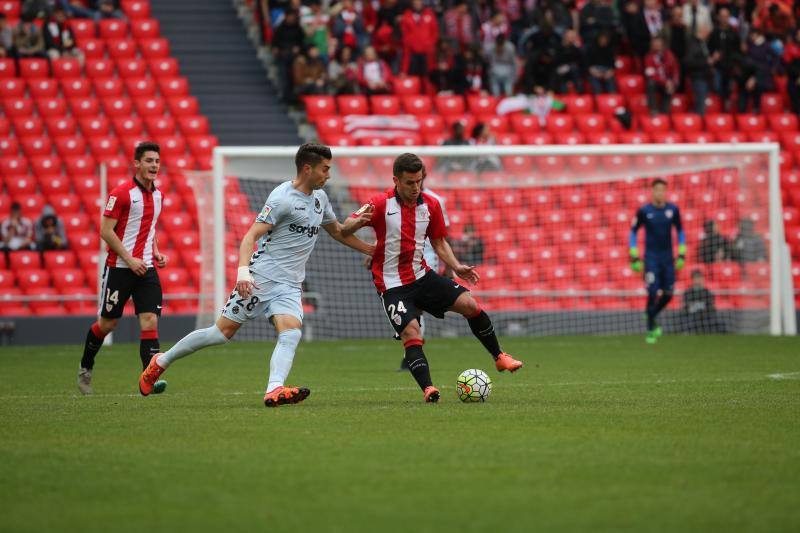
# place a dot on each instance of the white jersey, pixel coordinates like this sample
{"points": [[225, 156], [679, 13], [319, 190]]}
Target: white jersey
{"points": [[428, 253], [296, 218]]}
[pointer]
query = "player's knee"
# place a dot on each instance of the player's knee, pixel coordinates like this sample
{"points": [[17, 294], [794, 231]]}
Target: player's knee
{"points": [[290, 337], [667, 295], [411, 331], [107, 325], [468, 306], [148, 321]]}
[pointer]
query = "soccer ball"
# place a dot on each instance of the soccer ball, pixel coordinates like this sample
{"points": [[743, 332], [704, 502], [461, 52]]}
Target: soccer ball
{"points": [[473, 385]]}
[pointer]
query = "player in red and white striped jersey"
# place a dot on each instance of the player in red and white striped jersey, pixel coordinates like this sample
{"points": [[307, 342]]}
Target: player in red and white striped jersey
{"points": [[403, 217], [129, 229]]}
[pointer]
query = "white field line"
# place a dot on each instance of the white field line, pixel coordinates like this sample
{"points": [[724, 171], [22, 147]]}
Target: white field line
{"points": [[781, 376]]}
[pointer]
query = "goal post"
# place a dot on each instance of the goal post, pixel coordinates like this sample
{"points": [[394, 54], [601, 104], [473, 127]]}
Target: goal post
{"points": [[560, 267]]}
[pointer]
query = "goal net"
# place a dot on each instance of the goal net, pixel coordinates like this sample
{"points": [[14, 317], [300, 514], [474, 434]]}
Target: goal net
{"points": [[547, 227]]}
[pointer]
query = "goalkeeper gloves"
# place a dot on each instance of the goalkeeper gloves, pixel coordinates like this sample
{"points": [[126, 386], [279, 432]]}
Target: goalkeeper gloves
{"points": [[681, 261], [636, 263]]}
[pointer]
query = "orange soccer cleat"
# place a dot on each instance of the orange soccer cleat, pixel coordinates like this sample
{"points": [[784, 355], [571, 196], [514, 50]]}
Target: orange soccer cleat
{"points": [[150, 376], [431, 394], [285, 395], [506, 362]]}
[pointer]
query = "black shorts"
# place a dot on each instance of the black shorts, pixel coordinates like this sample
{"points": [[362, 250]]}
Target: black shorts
{"points": [[119, 284], [432, 293]]}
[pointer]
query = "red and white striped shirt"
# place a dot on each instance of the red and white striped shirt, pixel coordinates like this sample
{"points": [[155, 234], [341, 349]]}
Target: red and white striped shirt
{"points": [[136, 210], [401, 231]]}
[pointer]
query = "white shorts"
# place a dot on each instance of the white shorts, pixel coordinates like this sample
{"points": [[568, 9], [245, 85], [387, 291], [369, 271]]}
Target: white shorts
{"points": [[270, 298]]}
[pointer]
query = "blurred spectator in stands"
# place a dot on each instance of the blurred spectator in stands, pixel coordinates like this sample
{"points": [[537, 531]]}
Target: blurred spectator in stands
{"points": [[387, 45], [596, 17], [419, 30], [637, 31], [699, 314], [482, 135], [348, 26], [469, 247], [654, 17], [515, 11], [58, 37], [556, 13], [49, 231], [539, 73], [6, 37], [697, 68], [28, 40], [774, 18], [725, 47], [544, 37], [761, 62], [374, 75], [675, 35], [502, 66], [791, 62], [497, 25], [748, 246], [713, 245], [443, 76], [662, 75], [457, 138], [308, 74], [314, 21], [457, 135], [17, 230], [569, 64], [600, 60], [469, 71], [697, 16], [458, 26], [78, 9], [389, 13], [37, 9], [108, 9], [343, 72], [287, 43]]}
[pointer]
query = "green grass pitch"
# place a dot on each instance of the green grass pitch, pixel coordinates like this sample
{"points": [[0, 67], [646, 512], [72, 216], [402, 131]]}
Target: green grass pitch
{"points": [[594, 434]]}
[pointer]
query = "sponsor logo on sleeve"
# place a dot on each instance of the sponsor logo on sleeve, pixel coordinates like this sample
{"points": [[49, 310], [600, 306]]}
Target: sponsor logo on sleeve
{"points": [[111, 201]]}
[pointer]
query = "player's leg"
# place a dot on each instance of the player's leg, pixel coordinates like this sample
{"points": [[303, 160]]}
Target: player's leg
{"points": [[147, 300], [652, 281], [115, 290], [403, 361], [285, 310], [667, 284], [481, 326]]}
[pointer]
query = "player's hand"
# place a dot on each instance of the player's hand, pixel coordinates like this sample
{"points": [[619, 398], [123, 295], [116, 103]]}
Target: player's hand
{"points": [[363, 215], [137, 266], [161, 259], [245, 282], [680, 262], [636, 265], [467, 273], [448, 273]]}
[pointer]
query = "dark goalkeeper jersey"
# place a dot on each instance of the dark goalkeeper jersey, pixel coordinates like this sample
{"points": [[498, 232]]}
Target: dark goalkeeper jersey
{"points": [[658, 223]]}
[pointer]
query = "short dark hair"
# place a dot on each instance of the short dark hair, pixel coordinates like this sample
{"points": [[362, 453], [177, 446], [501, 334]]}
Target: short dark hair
{"points": [[16, 206], [311, 154], [697, 272], [659, 181], [145, 146], [407, 162]]}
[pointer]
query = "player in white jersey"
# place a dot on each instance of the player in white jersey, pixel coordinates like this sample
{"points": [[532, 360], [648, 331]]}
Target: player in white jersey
{"points": [[269, 280]]}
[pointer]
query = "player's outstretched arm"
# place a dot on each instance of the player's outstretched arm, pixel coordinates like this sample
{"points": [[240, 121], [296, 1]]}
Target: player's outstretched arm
{"points": [[336, 230], [110, 237], [357, 220], [445, 253], [633, 250], [244, 280]]}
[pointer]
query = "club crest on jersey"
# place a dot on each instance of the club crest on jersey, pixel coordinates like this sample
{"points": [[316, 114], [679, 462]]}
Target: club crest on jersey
{"points": [[111, 201], [317, 206], [668, 212], [423, 213]]}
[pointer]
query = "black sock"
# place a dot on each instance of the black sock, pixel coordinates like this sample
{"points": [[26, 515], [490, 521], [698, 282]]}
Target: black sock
{"points": [[91, 346], [147, 349], [482, 328], [418, 365], [662, 302], [651, 311]]}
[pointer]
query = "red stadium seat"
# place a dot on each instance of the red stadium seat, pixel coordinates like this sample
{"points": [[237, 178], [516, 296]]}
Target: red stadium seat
{"points": [[24, 260], [112, 29], [750, 123], [61, 126], [36, 146], [173, 86], [154, 48], [93, 125], [82, 29], [405, 85], [578, 104], [417, 104], [99, 68], [121, 48], [317, 106], [764, 136], [679, 103], [666, 137], [45, 165], [31, 68], [172, 145], [81, 240], [160, 125], [132, 68], [687, 122], [449, 104], [524, 124], [9, 146], [602, 138], [183, 106], [630, 84], [79, 165], [84, 106], [698, 137], [7, 68], [66, 67], [13, 166], [43, 88], [193, 125], [590, 123], [780, 122], [76, 87], [496, 123], [108, 87], [771, 103], [55, 184], [481, 104], [102, 146], [186, 239], [384, 105], [145, 29], [148, 106], [18, 107], [65, 277], [164, 67], [52, 107], [20, 185], [6, 280], [560, 124], [12, 88], [94, 48], [506, 139], [431, 124], [633, 137], [60, 259], [352, 105], [654, 124], [570, 138], [136, 9], [127, 126]]}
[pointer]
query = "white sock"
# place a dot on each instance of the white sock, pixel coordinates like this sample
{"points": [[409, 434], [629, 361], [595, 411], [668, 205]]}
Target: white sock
{"points": [[192, 342], [280, 364]]}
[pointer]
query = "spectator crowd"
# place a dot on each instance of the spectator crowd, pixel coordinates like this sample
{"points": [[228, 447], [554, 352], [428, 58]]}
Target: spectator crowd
{"points": [[732, 48]]}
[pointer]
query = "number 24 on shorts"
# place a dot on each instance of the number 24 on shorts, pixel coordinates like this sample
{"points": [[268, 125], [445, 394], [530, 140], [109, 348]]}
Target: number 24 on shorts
{"points": [[393, 316]]}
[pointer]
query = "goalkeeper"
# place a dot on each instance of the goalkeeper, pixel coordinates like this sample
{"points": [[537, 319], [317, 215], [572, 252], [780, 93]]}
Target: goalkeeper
{"points": [[658, 217]]}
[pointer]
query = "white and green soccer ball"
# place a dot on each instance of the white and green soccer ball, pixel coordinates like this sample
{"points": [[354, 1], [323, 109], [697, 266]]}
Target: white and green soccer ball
{"points": [[473, 385]]}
